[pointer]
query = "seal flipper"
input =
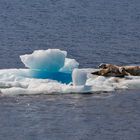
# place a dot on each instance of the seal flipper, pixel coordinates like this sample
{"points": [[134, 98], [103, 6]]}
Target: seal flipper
{"points": [[95, 73]]}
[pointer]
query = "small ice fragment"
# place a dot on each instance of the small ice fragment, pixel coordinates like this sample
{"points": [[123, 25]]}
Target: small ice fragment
{"points": [[79, 77]]}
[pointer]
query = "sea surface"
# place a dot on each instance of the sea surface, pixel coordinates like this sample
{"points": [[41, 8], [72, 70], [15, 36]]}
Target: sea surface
{"points": [[92, 32]]}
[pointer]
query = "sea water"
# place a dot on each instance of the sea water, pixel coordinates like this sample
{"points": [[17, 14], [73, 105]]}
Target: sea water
{"points": [[92, 32]]}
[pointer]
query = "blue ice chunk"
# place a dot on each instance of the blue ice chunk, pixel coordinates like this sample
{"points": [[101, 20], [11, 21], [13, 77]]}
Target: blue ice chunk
{"points": [[50, 60], [59, 76], [50, 64]]}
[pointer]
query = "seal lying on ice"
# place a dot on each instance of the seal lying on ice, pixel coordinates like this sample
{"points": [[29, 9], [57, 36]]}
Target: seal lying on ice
{"points": [[117, 71]]}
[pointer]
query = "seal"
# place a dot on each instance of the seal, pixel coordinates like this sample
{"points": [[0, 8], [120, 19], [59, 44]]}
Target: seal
{"points": [[132, 70], [117, 71]]}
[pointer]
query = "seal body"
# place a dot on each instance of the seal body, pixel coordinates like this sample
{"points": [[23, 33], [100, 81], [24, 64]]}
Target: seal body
{"points": [[133, 70], [117, 71]]}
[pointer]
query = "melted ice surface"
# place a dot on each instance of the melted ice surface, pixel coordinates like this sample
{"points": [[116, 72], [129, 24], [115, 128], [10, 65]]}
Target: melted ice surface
{"points": [[50, 71]]}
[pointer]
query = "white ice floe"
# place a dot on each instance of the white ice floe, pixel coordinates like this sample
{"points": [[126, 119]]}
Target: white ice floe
{"points": [[17, 81], [51, 72]]}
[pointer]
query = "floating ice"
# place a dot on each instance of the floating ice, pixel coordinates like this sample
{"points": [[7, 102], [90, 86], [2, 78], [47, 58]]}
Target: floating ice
{"points": [[50, 60], [79, 77], [69, 66], [19, 81], [59, 76], [50, 71], [50, 64]]}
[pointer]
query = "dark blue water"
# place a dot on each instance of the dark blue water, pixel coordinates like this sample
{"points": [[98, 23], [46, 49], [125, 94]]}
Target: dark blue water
{"points": [[92, 31]]}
